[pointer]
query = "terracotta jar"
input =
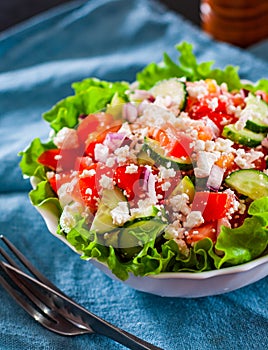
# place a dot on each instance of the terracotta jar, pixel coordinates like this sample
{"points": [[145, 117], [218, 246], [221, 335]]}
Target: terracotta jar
{"points": [[239, 22]]}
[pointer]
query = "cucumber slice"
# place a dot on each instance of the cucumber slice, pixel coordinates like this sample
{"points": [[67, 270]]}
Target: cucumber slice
{"points": [[157, 153], [258, 110], [184, 186], [244, 137], [249, 182], [116, 106], [103, 221], [145, 214], [174, 88], [144, 159]]}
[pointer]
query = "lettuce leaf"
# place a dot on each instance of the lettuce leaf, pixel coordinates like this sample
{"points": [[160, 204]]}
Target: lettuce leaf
{"points": [[91, 95], [44, 197], [29, 163], [189, 68], [248, 241]]}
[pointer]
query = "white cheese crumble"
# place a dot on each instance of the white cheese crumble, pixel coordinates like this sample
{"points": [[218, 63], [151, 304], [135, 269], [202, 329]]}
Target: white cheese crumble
{"points": [[66, 138], [197, 89], [166, 173], [157, 116], [194, 219], [245, 159], [180, 203], [87, 173], [101, 152], [120, 214], [131, 169], [122, 153], [65, 192], [106, 182], [205, 161], [69, 216]]}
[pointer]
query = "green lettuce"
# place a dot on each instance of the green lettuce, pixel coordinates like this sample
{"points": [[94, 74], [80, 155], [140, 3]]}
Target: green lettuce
{"points": [[91, 95], [187, 67], [247, 242], [29, 161]]}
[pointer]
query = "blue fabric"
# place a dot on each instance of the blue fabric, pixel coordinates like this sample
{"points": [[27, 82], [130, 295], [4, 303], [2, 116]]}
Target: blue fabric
{"points": [[112, 40]]}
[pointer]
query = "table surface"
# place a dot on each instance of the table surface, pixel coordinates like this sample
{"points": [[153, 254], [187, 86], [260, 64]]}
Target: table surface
{"points": [[15, 11]]}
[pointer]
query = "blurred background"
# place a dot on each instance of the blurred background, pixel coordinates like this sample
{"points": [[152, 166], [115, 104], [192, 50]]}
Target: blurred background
{"points": [[13, 12]]}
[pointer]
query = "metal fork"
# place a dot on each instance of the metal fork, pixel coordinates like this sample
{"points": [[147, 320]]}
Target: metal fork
{"points": [[52, 308]]}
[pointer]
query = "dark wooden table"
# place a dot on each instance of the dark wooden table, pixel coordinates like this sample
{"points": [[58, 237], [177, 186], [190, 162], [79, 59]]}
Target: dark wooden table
{"points": [[16, 11]]}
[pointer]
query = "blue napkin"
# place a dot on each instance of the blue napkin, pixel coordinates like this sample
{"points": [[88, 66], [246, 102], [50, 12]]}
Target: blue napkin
{"points": [[39, 59]]}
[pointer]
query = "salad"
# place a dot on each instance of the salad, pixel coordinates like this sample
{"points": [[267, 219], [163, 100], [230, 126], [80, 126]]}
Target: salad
{"points": [[165, 174]]}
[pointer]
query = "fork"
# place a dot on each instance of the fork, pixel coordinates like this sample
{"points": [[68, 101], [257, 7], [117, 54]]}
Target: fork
{"points": [[52, 308]]}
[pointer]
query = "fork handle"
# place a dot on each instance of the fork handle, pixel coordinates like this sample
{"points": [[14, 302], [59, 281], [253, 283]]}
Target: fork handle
{"points": [[121, 336]]}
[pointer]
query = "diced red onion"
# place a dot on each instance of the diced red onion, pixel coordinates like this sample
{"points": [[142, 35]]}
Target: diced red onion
{"points": [[215, 178], [145, 175], [213, 126], [244, 93], [82, 117], [149, 184], [114, 140], [130, 112]]}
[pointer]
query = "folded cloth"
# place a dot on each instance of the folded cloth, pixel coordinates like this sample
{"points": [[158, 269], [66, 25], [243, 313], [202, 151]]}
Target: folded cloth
{"points": [[111, 40]]}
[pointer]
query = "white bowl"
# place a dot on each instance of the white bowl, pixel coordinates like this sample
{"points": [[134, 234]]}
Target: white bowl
{"points": [[180, 284]]}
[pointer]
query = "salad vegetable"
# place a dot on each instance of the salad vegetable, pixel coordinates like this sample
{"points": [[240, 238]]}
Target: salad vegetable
{"points": [[168, 173]]}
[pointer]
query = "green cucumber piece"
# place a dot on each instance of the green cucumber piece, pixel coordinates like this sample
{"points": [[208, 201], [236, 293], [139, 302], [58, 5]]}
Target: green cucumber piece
{"points": [[103, 221], [248, 182], [157, 153], [258, 110], [174, 88], [145, 214], [244, 137], [184, 186]]}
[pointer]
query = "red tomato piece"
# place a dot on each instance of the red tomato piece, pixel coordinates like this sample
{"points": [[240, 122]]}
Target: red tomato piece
{"points": [[180, 146], [131, 183], [177, 144], [58, 180], [82, 163], [92, 123], [49, 158], [88, 186], [208, 230], [99, 137], [59, 159], [213, 205]]}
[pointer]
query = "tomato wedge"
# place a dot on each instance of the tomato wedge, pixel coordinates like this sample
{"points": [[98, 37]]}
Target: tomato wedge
{"points": [[208, 230], [177, 144], [59, 159], [49, 158], [213, 205], [92, 123], [88, 187], [131, 183]]}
